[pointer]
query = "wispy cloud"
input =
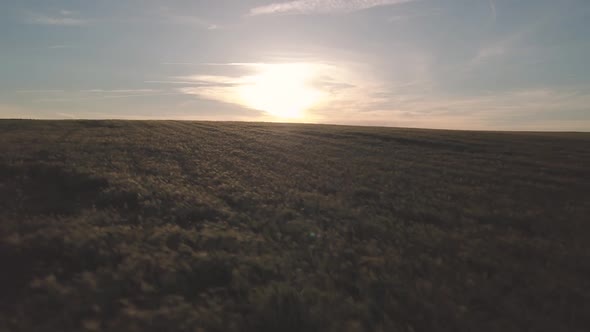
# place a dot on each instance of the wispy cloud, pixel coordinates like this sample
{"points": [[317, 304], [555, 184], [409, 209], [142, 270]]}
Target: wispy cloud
{"points": [[321, 6], [65, 96], [213, 79], [62, 18], [40, 91], [493, 10], [105, 97], [179, 63], [233, 64], [489, 52], [499, 48], [514, 110], [174, 82], [265, 86], [48, 20], [191, 20], [410, 16], [168, 15], [121, 91], [60, 46], [91, 91]]}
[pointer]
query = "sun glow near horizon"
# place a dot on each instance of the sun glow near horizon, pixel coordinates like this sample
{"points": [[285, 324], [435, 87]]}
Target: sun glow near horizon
{"points": [[280, 91], [284, 91]]}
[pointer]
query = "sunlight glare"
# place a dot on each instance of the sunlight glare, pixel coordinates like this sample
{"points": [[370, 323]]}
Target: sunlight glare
{"points": [[284, 91]]}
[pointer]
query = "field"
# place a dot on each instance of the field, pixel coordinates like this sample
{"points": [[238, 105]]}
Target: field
{"points": [[206, 226]]}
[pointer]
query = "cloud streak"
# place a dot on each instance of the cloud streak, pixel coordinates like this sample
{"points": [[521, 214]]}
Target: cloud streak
{"points": [[412, 16], [297, 82], [63, 18], [106, 97], [65, 96], [321, 6], [121, 91], [168, 15], [63, 21], [493, 10], [529, 109]]}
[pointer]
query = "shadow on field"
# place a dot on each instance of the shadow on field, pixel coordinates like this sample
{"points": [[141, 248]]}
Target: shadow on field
{"points": [[45, 189]]}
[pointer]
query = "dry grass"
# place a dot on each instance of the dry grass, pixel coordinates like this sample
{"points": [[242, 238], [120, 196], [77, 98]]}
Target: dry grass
{"points": [[181, 226]]}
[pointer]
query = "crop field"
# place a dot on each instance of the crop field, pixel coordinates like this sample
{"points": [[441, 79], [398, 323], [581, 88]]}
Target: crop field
{"points": [[222, 226]]}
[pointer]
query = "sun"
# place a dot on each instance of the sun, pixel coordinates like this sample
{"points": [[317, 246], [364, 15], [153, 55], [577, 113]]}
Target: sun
{"points": [[283, 91]]}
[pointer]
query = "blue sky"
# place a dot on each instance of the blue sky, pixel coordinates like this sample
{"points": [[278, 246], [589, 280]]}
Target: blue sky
{"points": [[459, 64]]}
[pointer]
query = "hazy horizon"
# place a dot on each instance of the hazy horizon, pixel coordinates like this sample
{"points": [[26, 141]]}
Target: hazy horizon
{"points": [[473, 65]]}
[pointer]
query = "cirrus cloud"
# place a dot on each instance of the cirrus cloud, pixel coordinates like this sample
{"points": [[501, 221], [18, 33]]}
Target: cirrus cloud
{"points": [[62, 18], [321, 6]]}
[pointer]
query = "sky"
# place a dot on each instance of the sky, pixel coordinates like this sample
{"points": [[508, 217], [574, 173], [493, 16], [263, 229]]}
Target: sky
{"points": [[456, 64]]}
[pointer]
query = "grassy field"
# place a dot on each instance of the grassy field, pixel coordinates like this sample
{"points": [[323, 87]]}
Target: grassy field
{"points": [[205, 226]]}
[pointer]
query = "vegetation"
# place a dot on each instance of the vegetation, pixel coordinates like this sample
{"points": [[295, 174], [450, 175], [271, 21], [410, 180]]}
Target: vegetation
{"points": [[204, 226]]}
